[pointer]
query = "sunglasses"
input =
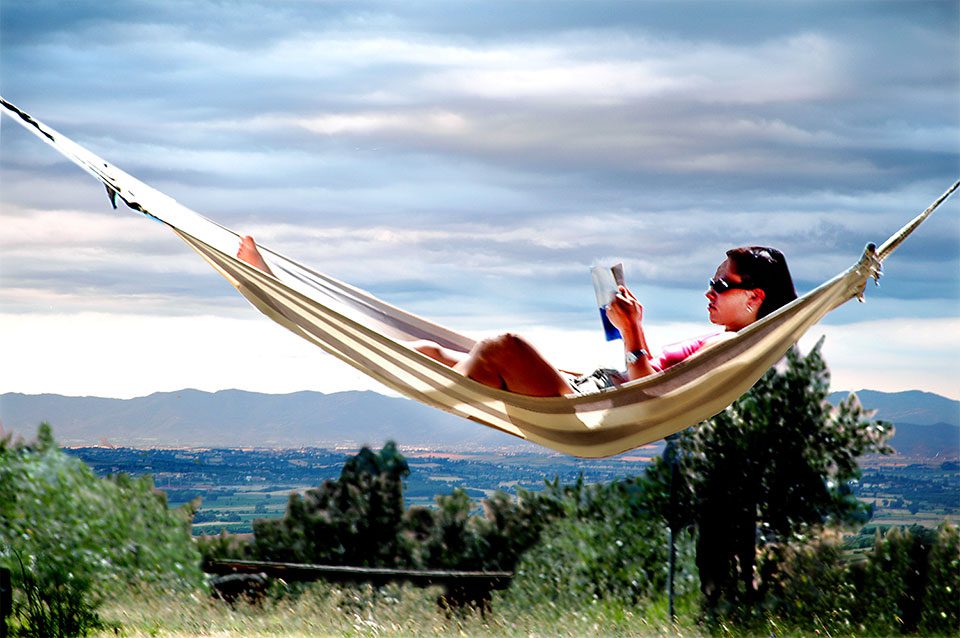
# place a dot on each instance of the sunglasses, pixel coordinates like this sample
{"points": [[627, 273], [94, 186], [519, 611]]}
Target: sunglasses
{"points": [[721, 285]]}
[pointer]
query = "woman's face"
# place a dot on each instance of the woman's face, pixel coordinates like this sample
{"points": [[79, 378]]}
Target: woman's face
{"points": [[734, 308]]}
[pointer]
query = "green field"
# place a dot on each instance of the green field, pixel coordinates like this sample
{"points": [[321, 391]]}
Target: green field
{"points": [[236, 487]]}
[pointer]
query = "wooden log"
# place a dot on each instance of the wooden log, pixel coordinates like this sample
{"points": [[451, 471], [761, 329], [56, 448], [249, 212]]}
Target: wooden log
{"points": [[461, 588]]}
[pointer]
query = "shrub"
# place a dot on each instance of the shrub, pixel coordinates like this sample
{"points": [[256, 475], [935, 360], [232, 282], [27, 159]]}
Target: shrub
{"points": [[941, 613], [360, 520], [807, 584], [452, 539], [907, 582], [910, 579], [881, 582], [225, 546], [602, 546], [577, 562], [600, 540], [70, 538]]}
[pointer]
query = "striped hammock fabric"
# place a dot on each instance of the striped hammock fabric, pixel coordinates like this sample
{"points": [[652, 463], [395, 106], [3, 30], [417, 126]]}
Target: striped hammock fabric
{"points": [[371, 335]]}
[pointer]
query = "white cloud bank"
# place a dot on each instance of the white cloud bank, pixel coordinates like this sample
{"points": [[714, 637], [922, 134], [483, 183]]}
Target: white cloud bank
{"points": [[123, 356]]}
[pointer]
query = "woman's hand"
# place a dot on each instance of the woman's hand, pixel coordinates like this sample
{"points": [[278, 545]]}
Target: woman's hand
{"points": [[625, 312]]}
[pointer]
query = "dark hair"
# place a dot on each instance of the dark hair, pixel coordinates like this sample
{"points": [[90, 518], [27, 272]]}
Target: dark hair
{"points": [[764, 268]]}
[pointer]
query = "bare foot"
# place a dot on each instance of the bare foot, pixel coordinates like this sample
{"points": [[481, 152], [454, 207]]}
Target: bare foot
{"points": [[249, 253]]}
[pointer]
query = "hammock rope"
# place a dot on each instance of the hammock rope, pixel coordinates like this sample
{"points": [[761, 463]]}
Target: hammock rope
{"points": [[898, 237], [370, 334]]}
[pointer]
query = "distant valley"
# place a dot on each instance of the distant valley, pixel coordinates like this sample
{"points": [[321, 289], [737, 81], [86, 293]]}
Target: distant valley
{"points": [[236, 418], [927, 424]]}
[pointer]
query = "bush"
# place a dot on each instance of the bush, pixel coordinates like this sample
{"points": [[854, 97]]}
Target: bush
{"points": [[602, 546], [910, 581], [907, 583], [600, 540], [623, 562], [807, 585], [225, 546], [881, 582], [941, 613], [451, 538], [71, 538], [360, 520]]}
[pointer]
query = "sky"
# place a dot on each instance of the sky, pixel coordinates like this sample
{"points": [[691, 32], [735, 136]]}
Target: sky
{"points": [[469, 162]]}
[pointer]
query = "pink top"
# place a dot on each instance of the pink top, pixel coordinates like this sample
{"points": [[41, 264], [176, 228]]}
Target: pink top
{"points": [[677, 352]]}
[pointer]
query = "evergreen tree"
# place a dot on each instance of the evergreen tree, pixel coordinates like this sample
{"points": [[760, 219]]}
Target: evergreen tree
{"points": [[776, 463], [356, 520]]}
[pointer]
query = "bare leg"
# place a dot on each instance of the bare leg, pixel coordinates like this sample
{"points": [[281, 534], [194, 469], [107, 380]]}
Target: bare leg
{"points": [[509, 362], [437, 352], [249, 253]]}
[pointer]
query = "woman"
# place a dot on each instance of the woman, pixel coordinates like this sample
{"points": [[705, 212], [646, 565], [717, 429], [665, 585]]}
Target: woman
{"points": [[751, 283]]}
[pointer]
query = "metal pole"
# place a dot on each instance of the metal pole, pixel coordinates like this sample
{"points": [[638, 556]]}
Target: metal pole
{"points": [[670, 456], [6, 600]]}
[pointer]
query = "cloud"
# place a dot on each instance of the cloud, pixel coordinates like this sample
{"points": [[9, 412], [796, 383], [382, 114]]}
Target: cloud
{"points": [[471, 162], [128, 355], [907, 355], [135, 355]]}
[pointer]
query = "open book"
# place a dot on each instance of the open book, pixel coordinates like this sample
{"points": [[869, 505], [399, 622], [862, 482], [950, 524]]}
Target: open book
{"points": [[606, 281]]}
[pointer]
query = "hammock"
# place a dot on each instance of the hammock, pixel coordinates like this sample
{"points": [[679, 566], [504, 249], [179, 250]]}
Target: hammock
{"points": [[369, 334]]}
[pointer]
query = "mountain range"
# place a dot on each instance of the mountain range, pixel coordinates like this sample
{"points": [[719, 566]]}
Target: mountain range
{"points": [[926, 424]]}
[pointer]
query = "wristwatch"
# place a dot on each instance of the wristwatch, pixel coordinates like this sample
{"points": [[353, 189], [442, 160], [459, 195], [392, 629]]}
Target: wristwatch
{"points": [[634, 356]]}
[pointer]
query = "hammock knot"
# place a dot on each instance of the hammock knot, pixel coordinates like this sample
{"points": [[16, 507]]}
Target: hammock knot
{"points": [[869, 266]]}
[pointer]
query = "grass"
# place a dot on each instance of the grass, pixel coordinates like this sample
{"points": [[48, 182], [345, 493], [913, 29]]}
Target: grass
{"points": [[324, 610]]}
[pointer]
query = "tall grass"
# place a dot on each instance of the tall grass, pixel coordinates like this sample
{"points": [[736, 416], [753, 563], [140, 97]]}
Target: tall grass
{"points": [[324, 610]]}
